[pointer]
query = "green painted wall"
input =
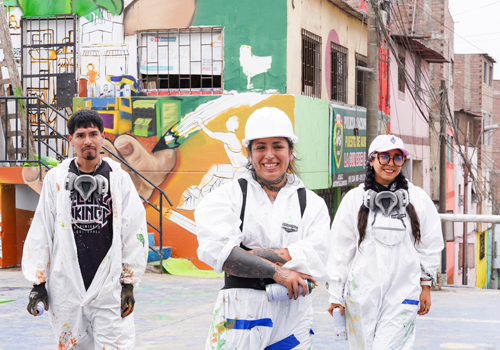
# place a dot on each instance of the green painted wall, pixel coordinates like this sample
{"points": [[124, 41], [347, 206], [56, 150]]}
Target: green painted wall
{"points": [[260, 24], [312, 128]]}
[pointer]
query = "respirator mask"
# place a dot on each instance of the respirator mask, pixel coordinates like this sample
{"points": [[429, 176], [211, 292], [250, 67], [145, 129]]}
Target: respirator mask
{"points": [[386, 201]]}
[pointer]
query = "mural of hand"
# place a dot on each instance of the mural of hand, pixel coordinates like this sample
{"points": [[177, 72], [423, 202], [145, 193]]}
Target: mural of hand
{"points": [[31, 177], [155, 166]]}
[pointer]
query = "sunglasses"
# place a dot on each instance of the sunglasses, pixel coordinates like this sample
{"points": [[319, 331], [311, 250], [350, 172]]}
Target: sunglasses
{"points": [[385, 159]]}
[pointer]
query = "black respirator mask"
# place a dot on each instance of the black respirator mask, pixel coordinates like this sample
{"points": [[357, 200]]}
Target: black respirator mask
{"points": [[87, 186], [386, 201]]}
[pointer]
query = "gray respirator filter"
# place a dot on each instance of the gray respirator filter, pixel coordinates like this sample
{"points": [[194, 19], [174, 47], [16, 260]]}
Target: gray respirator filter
{"points": [[386, 201]]}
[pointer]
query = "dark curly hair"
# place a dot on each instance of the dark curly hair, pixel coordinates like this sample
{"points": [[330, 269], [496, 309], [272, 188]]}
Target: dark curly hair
{"points": [[85, 118]]}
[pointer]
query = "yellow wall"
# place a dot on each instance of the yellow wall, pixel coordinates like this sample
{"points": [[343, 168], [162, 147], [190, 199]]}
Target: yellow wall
{"points": [[320, 17], [481, 265]]}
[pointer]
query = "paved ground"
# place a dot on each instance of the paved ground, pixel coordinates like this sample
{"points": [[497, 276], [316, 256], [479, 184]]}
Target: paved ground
{"points": [[175, 312]]}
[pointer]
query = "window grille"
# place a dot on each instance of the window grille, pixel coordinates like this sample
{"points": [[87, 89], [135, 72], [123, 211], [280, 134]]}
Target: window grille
{"points": [[361, 77], [328, 195], [401, 75], [311, 64], [339, 73], [181, 61]]}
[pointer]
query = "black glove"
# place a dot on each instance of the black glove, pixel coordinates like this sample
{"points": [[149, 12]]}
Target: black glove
{"points": [[38, 293], [128, 300]]}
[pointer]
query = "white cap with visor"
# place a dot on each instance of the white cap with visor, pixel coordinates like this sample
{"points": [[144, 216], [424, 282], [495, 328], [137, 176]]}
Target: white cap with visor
{"points": [[384, 143]]}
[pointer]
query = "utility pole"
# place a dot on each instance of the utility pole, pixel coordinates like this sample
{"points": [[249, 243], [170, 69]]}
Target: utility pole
{"points": [[372, 79], [442, 175], [466, 182]]}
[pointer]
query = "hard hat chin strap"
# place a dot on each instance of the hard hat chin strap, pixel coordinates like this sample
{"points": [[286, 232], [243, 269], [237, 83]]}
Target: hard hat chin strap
{"points": [[386, 201]]}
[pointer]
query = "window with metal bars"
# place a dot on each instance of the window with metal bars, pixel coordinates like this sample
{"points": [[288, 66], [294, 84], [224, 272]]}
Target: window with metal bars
{"points": [[181, 61], [361, 76], [311, 64], [401, 75], [328, 195], [339, 72]]}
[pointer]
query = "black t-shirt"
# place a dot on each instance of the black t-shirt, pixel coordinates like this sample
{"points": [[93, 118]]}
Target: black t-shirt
{"points": [[93, 243]]}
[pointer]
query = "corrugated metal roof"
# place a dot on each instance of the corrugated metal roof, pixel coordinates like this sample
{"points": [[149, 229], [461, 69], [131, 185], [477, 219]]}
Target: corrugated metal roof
{"points": [[420, 49]]}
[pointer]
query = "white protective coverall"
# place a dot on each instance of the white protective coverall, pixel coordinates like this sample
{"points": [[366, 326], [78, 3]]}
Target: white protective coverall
{"points": [[244, 318], [379, 284], [88, 319]]}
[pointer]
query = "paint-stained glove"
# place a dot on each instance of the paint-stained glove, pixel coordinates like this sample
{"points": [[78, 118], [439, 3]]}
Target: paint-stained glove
{"points": [[38, 293], [128, 300]]}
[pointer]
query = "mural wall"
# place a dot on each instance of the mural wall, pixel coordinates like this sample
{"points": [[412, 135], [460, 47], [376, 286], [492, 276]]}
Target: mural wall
{"points": [[188, 145]]}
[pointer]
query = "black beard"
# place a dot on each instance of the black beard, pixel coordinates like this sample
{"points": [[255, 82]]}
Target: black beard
{"points": [[89, 156], [271, 184]]}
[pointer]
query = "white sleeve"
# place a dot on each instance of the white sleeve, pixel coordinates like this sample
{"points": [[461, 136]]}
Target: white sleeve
{"points": [[309, 255], [218, 222], [134, 233], [344, 240], [431, 234], [39, 241]]}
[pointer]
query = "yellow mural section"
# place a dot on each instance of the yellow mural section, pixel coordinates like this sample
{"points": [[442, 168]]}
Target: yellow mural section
{"points": [[481, 261]]}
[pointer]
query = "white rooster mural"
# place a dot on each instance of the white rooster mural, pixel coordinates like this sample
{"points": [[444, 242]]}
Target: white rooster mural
{"points": [[253, 65]]}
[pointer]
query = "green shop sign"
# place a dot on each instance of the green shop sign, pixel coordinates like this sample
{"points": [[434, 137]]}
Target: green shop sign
{"points": [[348, 144]]}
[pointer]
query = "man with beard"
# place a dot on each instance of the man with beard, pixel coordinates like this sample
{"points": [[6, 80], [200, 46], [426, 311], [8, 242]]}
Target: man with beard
{"points": [[86, 246]]}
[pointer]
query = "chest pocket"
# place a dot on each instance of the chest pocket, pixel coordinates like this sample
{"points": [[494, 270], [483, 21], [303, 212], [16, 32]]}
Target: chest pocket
{"points": [[301, 193], [388, 230]]}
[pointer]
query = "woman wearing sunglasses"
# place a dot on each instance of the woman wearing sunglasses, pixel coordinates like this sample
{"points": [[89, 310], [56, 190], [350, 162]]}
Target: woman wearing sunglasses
{"points": [[386, 240]]}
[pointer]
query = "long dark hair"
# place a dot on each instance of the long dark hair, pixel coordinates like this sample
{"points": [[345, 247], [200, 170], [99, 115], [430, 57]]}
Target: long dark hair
{"points": [[401, 182], [291, 166]]}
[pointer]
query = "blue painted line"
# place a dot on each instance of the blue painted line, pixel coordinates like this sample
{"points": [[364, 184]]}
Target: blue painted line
{"points": [[285, 344], [410, 302], [248, 324]]}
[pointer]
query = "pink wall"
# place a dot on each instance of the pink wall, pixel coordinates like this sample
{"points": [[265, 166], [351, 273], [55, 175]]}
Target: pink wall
{"points": [[406, 120]]}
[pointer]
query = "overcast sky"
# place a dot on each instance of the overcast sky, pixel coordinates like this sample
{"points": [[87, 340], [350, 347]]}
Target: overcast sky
{"points": [[477, 28]]}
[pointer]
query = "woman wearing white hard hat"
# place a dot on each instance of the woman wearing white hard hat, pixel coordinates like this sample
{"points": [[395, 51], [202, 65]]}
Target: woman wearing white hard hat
{"points": [[262, 229], [386, 240]]}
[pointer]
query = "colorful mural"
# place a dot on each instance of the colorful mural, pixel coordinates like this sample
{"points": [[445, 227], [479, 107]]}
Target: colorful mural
{"points": [[32, 8], [254, 42], [187, 145]]}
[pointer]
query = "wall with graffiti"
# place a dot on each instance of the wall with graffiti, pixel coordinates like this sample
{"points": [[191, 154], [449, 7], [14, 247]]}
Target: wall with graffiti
{"points": [[159, 47], [186, 145]]}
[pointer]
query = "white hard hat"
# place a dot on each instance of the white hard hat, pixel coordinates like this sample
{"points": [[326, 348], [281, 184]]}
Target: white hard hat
{"points": [[268, 122], [383, 143]]}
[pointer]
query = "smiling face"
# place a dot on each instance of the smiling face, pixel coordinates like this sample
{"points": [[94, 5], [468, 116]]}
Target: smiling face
{"points": [[87, 143], [385, 174], [270, 157]]}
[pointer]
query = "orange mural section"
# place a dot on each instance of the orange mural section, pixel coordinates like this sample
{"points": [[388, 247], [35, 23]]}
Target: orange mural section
{"points": [[11, 175], [204, 163]]}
